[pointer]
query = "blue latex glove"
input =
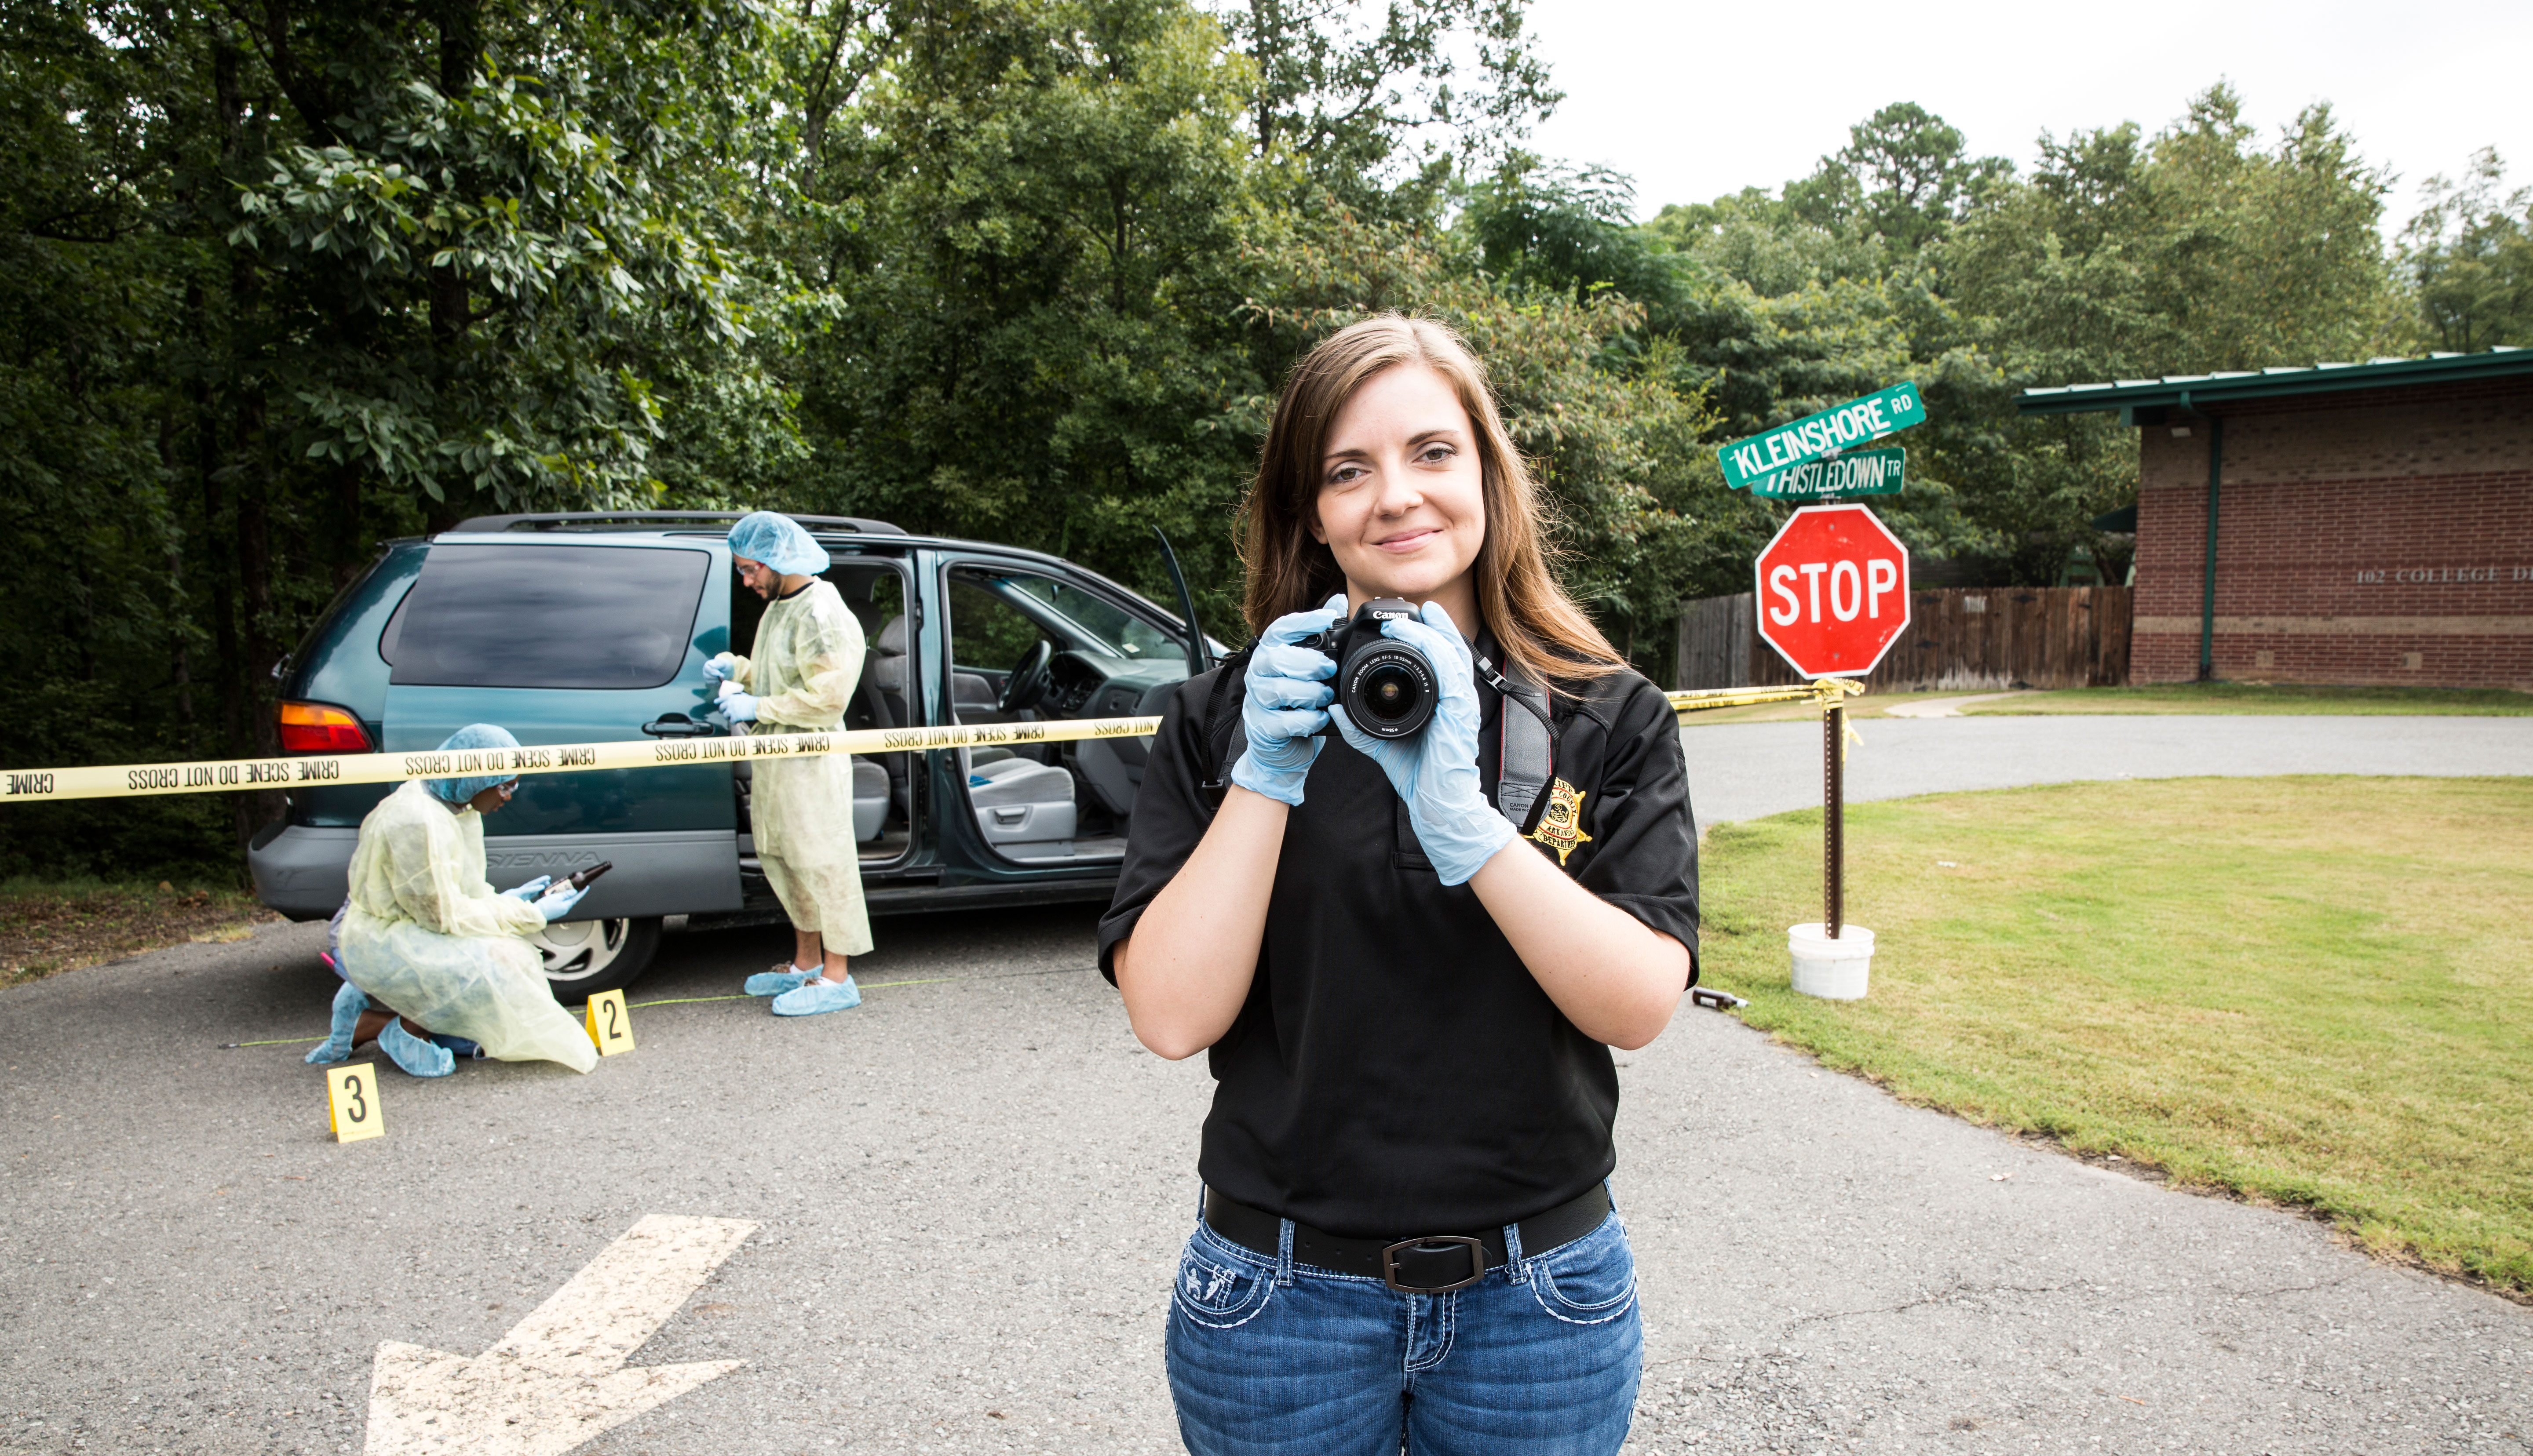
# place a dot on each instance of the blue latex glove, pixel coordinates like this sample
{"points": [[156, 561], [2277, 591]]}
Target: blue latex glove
{"points": [[1436, 771], [719, 668], [557, 901], [349, 1002], [736, 706], [1284, 704], [530, 889]]}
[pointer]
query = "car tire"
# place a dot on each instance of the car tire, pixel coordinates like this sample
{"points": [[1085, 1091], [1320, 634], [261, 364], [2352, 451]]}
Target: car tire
{"points": [[583, 958]]}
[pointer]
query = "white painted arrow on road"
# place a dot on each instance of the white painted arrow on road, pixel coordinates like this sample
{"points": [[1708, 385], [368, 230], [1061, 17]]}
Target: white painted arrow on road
{"points": [[558, 1379]]}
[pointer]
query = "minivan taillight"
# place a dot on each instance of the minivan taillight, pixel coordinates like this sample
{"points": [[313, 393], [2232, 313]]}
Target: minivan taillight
{"points": [[320, 727]]}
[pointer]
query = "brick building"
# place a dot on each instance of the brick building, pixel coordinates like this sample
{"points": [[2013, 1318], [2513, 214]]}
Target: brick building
{"points": [[2374, 522]]}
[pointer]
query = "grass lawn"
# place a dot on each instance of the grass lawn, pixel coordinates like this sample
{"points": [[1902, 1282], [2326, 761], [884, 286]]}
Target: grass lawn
{"points": [[47, 927], [2182, 698], [2314, 991]]}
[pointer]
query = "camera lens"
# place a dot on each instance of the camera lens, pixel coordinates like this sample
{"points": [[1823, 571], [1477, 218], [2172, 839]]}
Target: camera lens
{"points": [[1388, 693], [1389, 690]]}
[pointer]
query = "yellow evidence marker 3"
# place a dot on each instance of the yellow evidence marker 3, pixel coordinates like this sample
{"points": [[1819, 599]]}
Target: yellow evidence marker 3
{"points": [[352, 1103], [610, 1025]]}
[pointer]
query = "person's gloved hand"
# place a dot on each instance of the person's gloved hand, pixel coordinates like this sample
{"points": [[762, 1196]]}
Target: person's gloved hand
{"points": [[557, 901], [530, 889], [1436, 771], [734, 704], [1284, 704], [719, 667]]}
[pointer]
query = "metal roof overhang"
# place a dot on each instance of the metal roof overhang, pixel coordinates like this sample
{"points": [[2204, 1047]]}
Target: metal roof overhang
{"points": [[2196, 391]]}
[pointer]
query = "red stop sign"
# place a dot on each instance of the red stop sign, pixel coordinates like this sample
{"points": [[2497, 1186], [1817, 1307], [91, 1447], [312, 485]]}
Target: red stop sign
{"points": [[1833, 591]]}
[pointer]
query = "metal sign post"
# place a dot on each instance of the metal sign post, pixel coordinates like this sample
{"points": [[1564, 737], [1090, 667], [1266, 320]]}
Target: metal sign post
{"points": [[1830, 693], [1834, 816]]}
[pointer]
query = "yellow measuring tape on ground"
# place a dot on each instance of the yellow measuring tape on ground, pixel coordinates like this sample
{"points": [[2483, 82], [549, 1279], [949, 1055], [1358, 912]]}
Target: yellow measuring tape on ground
{"points": [[233, 775]]}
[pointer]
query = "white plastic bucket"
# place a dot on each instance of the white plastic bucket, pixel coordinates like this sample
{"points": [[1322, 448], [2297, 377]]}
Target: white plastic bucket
{"points": [[1835, 969]]}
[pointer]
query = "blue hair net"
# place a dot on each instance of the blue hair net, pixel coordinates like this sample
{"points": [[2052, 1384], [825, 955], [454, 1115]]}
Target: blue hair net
{"points": [[779, 542], [473, 736]]}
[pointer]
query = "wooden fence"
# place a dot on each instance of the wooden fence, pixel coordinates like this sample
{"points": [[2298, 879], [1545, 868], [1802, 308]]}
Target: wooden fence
{"points": [[1970, 639]]}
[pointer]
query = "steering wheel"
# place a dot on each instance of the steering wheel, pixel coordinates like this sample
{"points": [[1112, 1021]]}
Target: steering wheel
{"points": [[1027, 687]]}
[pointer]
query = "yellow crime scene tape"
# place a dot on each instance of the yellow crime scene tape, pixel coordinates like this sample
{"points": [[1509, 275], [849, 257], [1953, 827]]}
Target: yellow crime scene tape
{"points": [[223, 776], [1824, 692], [237, 775]]}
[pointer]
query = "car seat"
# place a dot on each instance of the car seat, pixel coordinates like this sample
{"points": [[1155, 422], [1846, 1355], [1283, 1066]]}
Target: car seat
{"points": [[870, 799], [886, 673], [884, 687], [973, 699], [1025, 810]]}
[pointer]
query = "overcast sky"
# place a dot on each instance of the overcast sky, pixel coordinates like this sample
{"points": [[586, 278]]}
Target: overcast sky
{"points": [[1698, 99]]}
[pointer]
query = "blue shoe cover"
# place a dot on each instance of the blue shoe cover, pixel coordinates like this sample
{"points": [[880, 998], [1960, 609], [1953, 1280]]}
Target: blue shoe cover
{"points": [[416, 1056], [811, 1001], [775, 983], [349, 1002], [459, 1047]]}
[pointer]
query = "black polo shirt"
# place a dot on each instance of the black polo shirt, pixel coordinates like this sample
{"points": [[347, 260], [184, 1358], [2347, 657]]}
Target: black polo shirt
{"points": [[1396, 1070]]}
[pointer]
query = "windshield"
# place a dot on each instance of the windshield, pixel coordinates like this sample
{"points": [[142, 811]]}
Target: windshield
{"points": [[1098, 621]]}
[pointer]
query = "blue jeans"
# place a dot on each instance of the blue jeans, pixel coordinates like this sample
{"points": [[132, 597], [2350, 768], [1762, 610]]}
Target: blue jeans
{"points": [[1271, 1357]]}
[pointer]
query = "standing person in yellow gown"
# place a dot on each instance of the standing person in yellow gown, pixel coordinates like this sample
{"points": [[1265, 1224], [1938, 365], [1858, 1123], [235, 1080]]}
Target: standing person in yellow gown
{"points": [[809, 657]]}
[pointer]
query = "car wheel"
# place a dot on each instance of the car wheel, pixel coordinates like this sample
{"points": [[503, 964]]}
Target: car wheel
{"points": [[583, 957]]}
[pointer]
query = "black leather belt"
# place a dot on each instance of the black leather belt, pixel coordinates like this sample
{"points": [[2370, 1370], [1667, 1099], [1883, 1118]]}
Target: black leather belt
{"points": [[1433, 1264]]}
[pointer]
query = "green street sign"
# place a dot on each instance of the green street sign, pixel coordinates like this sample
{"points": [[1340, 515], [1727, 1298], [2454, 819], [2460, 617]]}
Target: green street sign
{"points": [[1855, 422], [1856, 473]]}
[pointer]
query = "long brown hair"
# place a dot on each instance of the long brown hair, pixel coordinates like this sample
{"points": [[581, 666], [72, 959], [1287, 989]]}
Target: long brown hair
{"points": [[1540, 628]]}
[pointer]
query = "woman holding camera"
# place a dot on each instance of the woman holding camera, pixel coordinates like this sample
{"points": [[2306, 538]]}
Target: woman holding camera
{"points": [[1406, 1235]]}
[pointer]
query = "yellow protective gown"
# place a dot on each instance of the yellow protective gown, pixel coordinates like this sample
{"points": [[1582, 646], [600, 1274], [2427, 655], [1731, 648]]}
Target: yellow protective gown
{"points": [[426, 937], [808, 658]]}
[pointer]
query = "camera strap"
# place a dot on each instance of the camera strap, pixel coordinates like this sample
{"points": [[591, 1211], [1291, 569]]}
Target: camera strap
{"points": [[1222, 723], [1527, 756]]}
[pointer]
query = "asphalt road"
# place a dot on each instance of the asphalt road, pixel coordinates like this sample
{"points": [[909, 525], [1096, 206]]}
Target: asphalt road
{"points": [[1747, 770], [969, 1191]]}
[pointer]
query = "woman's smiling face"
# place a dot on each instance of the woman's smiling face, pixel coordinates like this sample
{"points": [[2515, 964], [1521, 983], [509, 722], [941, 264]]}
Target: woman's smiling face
{"points": [[1402, 492]]}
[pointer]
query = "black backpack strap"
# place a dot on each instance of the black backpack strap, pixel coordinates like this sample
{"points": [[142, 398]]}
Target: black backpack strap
{"points": [[1527, 760], [1223, 725]]}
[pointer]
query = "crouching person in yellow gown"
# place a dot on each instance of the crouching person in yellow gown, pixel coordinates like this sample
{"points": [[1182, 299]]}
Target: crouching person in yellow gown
{"points": [[426, 938], [807, 660]]}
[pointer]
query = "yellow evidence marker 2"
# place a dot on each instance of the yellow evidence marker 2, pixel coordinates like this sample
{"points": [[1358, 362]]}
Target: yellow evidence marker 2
{"points": [[352, 1110], [610, 1025]]}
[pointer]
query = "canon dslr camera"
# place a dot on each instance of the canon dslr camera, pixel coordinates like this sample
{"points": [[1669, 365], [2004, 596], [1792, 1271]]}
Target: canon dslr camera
{"points": [[1386, 686]]}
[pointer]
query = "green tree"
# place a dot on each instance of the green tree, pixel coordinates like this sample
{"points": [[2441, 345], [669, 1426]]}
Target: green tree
{"points": [[2197, 251], [502, 233], [2469, 253], [1370, 97], [1058, 229], [1036, 225], [1567, 229], [1904, 176], [2118, 255], [311, 273], [2123, 257]]}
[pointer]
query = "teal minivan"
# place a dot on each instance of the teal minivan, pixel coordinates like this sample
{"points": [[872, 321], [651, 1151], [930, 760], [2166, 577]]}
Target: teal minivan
{"points": [[586, 626]]}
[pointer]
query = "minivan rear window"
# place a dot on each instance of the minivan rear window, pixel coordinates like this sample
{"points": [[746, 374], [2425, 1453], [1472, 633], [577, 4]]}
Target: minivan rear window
{"points": [[585, 616]]}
